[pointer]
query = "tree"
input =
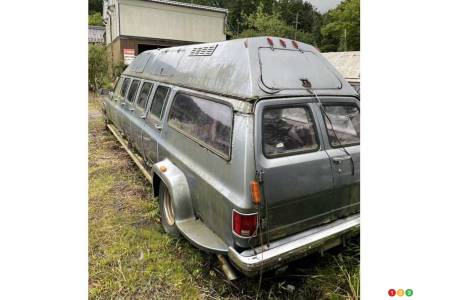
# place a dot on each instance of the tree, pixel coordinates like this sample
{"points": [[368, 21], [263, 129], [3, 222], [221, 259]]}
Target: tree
{"points": [[98, 66], [260, 23], [95, 19], [340, 31], [95, 6]]}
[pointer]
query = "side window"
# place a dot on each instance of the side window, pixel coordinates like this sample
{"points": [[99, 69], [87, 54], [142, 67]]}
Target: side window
{"points": [[206, 121], [288, 130], [144, 95], [118, 86], [159, 101], [125, 84], [344, 127], [133, 89]]}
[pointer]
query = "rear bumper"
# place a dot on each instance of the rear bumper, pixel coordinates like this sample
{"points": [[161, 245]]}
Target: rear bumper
{"points": [[282, 251]]}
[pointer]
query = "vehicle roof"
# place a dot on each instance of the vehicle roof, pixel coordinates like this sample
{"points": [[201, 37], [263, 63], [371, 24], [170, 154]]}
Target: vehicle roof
{"points": [[246, 69]]}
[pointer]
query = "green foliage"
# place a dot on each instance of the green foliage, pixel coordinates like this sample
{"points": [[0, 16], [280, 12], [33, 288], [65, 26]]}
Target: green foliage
{"points": [[341, 31], [95, 6], [95, 19], [261, 23], [98, 66]]}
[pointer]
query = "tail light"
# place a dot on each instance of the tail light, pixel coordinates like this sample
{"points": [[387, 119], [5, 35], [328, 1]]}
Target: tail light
{"points": [[244, 225]]}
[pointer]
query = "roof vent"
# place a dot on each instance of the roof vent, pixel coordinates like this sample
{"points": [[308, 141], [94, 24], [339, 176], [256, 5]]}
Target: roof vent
{"points": [[203, 51]]}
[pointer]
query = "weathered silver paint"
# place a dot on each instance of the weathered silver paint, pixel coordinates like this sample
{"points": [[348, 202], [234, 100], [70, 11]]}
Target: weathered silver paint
{"points": [[302, 190], [234, 69]]}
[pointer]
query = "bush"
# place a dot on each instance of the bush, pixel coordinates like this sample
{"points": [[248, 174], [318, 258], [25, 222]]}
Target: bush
{"points": [[98, 66]]}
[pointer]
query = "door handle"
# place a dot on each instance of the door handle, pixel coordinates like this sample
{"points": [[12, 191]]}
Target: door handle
{"points": [[143, 117], [131, 109], [122, 103], [340, 159], [158, 126]]}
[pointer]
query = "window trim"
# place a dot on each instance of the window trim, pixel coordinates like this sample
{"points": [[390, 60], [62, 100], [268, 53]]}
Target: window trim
{"points": [[137, 90], [325, 124], [143, 110], [128, 87], [315, 126], [152, 117], [196, 140]]}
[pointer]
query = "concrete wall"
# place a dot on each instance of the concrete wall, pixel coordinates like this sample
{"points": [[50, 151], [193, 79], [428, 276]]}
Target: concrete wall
{"points": [[162, 21]]}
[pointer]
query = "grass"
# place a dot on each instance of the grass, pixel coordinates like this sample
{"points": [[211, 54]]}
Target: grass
{"points": [[130, 257]]}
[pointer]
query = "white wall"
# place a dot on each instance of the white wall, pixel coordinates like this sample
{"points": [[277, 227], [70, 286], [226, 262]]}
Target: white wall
{"points": [[114, 28], [156, 20]]}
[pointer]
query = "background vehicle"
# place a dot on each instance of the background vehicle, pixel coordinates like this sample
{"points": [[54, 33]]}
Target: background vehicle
{"points": [[252, 146]]}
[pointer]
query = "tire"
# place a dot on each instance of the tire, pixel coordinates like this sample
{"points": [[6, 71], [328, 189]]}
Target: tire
{"points": [[166, 211]]}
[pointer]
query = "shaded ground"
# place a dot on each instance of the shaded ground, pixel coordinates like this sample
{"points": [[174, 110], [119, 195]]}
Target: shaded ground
{"points": [[131, 258]]}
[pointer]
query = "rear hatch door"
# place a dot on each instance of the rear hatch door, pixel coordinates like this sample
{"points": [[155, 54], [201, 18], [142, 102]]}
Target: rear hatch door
{"points": [[297, 173]]}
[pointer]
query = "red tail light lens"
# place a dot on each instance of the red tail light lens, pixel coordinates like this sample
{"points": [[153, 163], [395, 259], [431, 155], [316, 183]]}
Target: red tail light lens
{"points": [[244, 225]]}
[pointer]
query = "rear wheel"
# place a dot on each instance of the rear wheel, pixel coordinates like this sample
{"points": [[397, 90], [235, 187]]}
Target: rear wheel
{"points": [[167, 211]]}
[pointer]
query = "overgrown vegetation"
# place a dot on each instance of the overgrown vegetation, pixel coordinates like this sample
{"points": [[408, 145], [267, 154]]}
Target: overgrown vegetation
{"points": [[98, 66], [95, 19], [131, 258]]}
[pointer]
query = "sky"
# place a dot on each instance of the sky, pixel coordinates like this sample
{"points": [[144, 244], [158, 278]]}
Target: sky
{"points": [[324, 5]]}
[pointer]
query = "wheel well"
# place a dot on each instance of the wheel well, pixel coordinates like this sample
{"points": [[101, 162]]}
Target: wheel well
{"points": [[155, 187]]}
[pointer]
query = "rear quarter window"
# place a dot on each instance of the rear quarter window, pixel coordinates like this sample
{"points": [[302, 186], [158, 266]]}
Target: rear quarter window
{"points": [[205, 121], [288, 131]]}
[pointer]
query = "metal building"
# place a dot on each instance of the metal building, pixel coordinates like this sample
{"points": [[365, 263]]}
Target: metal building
{"points": [[133, 26]]}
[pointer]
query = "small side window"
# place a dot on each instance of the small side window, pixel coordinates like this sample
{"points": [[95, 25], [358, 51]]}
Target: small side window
{"points": [[124, 89], [159, 101], [144, 95], [118, 86], [133, 89], [287, 131], [344, 127], [205, 121]]}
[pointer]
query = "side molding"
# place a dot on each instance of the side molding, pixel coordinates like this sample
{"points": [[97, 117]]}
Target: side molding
{"points": [[178, 188]]}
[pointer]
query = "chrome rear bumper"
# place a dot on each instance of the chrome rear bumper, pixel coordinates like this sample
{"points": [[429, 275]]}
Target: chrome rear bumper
{"points": [[321, 238]]}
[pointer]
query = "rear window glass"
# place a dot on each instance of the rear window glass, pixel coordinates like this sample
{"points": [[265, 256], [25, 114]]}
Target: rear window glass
{"points": [[344, 127], [159, 100], [206, 121], [144, 95], [287, 131], [125, 84], [284, 69], [132, 92]]}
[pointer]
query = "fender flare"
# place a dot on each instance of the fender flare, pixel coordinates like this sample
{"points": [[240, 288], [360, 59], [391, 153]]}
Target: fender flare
{"points": [[178, 187]]}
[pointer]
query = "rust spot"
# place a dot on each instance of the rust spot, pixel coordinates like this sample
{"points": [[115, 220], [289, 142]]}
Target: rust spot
{"points": [[163, 169]]}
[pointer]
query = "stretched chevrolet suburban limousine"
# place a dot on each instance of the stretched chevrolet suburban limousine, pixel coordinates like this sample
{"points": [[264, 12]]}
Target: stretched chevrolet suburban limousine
{"points": [[251, 146]]}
